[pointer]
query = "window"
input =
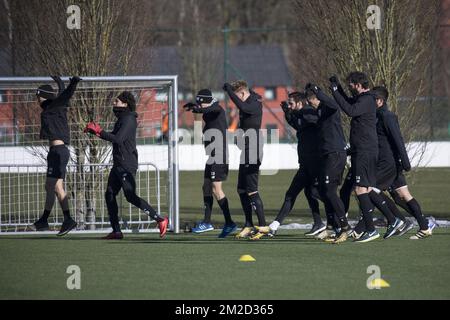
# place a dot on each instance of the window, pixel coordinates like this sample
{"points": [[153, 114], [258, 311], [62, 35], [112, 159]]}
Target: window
{"points": [[270, 93]]}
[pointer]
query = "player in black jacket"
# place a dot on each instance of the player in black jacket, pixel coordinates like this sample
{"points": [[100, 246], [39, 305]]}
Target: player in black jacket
{"points": [[250, 141], [55, 129], [308, 158], [125, 163], [216, 168], [333, 155], [395, 159], [363, 142]]}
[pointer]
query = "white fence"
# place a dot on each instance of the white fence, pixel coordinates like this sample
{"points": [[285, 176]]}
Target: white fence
{"points": [[276, 156]]}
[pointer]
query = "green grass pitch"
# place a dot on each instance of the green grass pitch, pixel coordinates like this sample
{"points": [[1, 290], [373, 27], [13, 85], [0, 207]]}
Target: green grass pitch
{"points": [[290, 266]]}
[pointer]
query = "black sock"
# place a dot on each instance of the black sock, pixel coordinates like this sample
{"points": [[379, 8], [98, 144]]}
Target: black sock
{"points": [[287, 206], [66, 214], [416, 211], [223, 204], [258, 206], [329, 192], [247, 207], [208, 201], [393, 207], [381, 205], [361, 226], [45, 215], [316, 217], [367, 210], [152, 214]]}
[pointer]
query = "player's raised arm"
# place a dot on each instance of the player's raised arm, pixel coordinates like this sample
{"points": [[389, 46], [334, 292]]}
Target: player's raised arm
{"points": [[62, 100], [240, 104]]}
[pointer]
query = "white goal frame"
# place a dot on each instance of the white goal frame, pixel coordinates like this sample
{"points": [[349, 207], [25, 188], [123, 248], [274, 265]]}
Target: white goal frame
{"points": [[170, 82]]}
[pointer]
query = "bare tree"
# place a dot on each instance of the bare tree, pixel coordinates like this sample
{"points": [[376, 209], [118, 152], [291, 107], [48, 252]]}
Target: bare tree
{"points": [[338, 40], [112, 33]]}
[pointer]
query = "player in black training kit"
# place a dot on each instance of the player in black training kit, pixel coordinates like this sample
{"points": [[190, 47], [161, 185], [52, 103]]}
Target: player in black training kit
{"points": [[333, 156], [308, 158], [250, 141], [216, 168], [363, 142], [55, 128], [394, 147], [125, 164]]}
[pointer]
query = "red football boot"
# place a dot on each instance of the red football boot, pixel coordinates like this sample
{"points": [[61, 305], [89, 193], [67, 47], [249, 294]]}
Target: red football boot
{"points": [[162, 225], [114, 236]]}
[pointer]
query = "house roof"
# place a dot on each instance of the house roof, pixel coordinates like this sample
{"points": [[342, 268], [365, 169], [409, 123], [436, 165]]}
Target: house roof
{"points": [[259, 65]]}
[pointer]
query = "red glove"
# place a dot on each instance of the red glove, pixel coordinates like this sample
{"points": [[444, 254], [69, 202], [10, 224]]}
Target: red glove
{"points": [[93, 128]]}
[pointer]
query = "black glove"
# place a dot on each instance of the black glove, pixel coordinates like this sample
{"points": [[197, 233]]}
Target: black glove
{"points": [[285, 106], [334, 83], [406, 166], [75, 79], [312, 87], [56, 78], [189, 106], [227, 87]]}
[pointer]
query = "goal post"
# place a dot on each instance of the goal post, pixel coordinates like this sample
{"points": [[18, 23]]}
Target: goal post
{"points": [[22, 152]]}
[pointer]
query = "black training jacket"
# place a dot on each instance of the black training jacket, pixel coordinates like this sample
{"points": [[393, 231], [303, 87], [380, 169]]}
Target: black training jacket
{"points": [[123, 138], [54, 124], [215, 122], [306, 131], [390, 141], [362, 109], [331, 134], [250, 118]]}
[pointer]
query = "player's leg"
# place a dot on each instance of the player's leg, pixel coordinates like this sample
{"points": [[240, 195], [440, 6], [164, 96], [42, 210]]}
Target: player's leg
{"points": [[386, 173], [112, 189], [394, 224], [68, 223], [50, 183], [220, 175], [208, 200], [333, 166], [129, 190], [297, 185], [425, 227], [252, 177], [318, 225], [346, 190], [245, 202], [364, 173]]}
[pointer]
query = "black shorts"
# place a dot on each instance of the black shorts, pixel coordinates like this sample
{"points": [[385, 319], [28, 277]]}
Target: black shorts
{"points": [[386, 174], [216, 172], [332, 166], [57, 160], [248, 177], [364, 169], [399, 181]]}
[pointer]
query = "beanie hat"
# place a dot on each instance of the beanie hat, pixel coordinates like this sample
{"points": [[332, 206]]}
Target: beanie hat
{"points": [[46, 91], [204, 96], [128, 98]]}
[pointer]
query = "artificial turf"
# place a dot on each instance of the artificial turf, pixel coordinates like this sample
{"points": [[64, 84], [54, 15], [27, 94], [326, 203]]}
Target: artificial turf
{"points": [[187, 266]]}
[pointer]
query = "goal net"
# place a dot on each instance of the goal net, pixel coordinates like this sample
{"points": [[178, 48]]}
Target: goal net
{"points": [[23, 154]]}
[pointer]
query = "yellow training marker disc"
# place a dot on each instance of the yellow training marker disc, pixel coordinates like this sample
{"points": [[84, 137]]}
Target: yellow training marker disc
{"points": [[247, 258], [379, 283]]}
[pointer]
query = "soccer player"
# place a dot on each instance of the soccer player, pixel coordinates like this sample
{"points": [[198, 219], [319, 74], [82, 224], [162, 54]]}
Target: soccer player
{"points": [[363, 142], [125, 164], [250, 116], [395, 152], [333, 155], [216, 168], [55, 129], [308, 159]]}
